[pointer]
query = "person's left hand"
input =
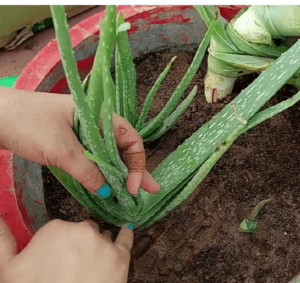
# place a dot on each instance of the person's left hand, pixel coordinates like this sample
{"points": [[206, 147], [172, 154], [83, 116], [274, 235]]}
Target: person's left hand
{"points": [[38, 126], [66, 252]]}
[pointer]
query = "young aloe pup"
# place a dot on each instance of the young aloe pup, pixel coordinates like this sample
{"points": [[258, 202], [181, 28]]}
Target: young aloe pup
{"points": [[183, 170]]}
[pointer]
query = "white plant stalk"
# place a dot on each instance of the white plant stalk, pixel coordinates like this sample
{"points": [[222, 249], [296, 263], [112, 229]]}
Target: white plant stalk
{"points": [[245, 45]]}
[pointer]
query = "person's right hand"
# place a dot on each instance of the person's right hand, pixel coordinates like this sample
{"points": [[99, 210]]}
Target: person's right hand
{"points": [[65, 252]]}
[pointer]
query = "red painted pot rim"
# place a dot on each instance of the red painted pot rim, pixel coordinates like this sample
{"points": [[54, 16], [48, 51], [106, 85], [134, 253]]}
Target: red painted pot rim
{"points": [[46, 60]]}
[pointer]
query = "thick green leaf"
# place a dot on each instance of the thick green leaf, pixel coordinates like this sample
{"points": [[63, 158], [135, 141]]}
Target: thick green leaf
{"points": [[128, 72], [175, 116], [156, 122], [150, 96]]}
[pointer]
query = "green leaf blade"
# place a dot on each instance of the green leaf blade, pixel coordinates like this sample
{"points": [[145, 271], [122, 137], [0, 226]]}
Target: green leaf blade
{"points": [[128, 72], [156, 122], [175, 116], [151, 94]]}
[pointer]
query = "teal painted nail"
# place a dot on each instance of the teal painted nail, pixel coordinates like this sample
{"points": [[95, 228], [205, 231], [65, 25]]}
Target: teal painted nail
{"points": [[130, 226], [104, 191]]}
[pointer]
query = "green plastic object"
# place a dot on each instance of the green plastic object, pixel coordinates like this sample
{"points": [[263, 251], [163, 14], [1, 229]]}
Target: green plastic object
{"points": [[8, 81]]}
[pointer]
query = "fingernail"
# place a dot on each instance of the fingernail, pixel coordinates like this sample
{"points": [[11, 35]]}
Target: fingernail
{"points": [[130, 226], [104, 191]]}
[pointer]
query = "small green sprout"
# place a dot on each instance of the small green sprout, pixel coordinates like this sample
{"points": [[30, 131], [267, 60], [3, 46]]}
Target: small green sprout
{"points": [[249, 225]]}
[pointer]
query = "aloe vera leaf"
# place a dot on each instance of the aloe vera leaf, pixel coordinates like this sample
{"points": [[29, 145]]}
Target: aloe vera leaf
{"points": [[296, 279], [104, 164], [251, 28], [257, 209], [123, 27], [201, 173], [220, 40], [107, 118], [248, 62], [295, 82], [285, 19], [128, 71], [82, 195], [250, 225], [95, 90], [156, 122], [86, 81], [125, 200], [175, 116], [67, 181], [216, 155], [271, 111], [195, 150], [252, 48], [224, 68], [152, 92], [147, 219], [119, 84], [263, 13], [207, 13], [76, 125], [90, 129], [161, 209], [142, 218]]}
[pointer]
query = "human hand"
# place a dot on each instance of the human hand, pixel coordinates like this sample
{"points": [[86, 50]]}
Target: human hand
{"points": [[66, 252], [39, 128]]}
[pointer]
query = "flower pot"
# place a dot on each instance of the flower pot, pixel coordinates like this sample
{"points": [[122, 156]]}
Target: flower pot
{"points": [[153, 28]]}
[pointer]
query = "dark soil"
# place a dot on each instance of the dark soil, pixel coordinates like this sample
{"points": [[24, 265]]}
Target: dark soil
{"points": [[199, 241]]}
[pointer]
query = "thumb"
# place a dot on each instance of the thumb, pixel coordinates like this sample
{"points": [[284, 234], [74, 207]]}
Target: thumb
{"points": [[73, 161], [8, 246], [124, 241]]}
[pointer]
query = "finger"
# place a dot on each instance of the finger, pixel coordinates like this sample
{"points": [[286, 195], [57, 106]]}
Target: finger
{"points": [[133, 182], [131, 148], [124, 240], [149, 184], [73, 161], [8, 247]]}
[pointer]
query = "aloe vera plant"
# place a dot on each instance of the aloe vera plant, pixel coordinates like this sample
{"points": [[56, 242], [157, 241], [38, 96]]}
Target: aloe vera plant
{"points": [[250, 224], [246, 44], [183, 170]]}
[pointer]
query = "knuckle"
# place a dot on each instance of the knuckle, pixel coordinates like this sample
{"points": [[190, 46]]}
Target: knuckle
{"points": [[86, 228], [67, 153], [56, 225], [93, 179], [57, 229], [87, 232], [124, 248]]}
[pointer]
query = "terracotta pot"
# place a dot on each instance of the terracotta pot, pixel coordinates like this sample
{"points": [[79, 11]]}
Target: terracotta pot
{"points": [[153, 28]]}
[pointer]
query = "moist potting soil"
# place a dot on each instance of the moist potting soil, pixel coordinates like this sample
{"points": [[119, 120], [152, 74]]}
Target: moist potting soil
{"points": [[200, 241]]}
